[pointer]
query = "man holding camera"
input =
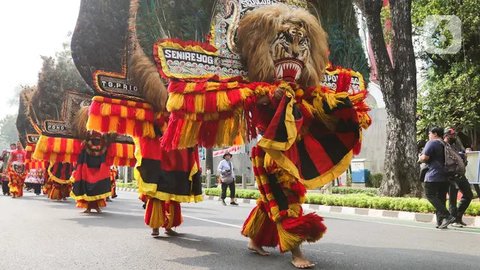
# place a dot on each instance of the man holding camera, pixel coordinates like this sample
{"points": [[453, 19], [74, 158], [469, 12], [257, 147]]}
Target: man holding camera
{"points": [[227, 176]]}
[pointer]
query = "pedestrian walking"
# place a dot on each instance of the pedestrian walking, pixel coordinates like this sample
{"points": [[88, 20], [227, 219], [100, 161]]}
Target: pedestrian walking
{"points": [[227, 177], [436, 182], [458, 183]]}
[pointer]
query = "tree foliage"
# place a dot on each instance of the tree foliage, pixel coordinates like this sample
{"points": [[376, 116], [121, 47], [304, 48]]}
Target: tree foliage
{"points": [[339, 20], [450, 99], [450, 95], [8, 131], [57, 75]]}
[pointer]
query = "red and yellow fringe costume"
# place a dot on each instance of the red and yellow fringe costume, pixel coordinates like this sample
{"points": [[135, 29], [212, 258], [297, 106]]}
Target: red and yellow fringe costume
{"points": [[17, 181], [165, 178], [308, 140], [62, 154], [309, 137], [59, 185]]}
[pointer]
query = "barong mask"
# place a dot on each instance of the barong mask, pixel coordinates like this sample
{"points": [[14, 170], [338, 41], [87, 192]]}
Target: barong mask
{"points": [[282, 42], [289, 50], [19, 168]]}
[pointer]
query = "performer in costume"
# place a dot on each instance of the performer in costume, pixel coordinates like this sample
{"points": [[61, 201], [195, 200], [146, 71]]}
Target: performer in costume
{"points": [[308, 131], [59, 184], [166, 179], [91, 178], [113, 180], [35, 179], [16, 171]]}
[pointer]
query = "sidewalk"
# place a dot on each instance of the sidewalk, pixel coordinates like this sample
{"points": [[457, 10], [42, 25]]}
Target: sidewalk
{"points": [[472, 222]]}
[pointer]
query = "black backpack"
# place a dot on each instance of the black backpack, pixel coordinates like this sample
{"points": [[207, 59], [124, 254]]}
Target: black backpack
{"points": [[454, 165]]}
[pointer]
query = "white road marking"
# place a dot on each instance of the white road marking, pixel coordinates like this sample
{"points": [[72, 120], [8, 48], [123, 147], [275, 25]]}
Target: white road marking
{"points": [[216, 222]]}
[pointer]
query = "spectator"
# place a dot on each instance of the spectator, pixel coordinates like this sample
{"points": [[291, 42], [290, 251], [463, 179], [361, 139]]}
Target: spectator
{"points": [[4, 168], [460, 183], [436, 183], [227, 177]]}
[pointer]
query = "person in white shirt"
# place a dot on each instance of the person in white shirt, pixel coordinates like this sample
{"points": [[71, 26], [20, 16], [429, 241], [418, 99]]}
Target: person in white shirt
{"points": [[227, 176]]}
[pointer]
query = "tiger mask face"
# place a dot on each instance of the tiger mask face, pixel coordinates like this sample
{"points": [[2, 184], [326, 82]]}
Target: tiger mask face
{"points": [[289, 51], [279, 42]]}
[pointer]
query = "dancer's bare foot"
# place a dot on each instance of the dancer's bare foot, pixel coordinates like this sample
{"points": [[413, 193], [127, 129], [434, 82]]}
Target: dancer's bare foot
{"points": [[88, 210], [259, 250], [98, 209], [299, 261], [171, 232], [155, 232]]}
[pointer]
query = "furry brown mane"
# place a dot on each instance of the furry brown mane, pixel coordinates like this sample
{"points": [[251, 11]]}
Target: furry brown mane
{"points": [[80, 123], [259, 28], [145, 75], [143, 71]]}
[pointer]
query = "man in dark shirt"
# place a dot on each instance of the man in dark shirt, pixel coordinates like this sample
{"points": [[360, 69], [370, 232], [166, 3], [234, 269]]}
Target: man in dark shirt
{"points": [[436, 182], [460, 183]]}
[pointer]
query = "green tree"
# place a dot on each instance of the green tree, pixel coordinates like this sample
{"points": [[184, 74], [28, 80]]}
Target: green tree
{"points": [[57, 75], [8, 131], [450, 95], [70, 78]]}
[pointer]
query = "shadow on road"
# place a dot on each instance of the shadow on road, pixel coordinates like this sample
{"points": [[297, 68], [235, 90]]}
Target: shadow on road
{"points": [[225, 253]]}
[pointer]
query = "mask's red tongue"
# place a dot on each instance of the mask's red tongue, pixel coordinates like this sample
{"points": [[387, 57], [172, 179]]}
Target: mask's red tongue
{"points": [[288, 69]]}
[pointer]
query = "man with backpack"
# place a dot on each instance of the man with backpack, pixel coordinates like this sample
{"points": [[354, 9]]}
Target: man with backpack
{"points": [[436, 180], [459, 182]]}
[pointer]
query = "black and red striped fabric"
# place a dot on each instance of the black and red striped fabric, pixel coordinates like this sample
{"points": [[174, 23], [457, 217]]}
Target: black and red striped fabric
{"points": [[91, 177], [62, 170], [318, 148], [166, 174]]}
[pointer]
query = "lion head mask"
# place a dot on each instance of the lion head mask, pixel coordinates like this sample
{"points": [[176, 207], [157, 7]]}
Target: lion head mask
{"points": [[281, 42]]}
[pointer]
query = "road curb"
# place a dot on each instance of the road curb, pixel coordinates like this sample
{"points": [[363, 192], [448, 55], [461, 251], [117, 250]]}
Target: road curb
{"points": [[377, 213], [388, 214]]}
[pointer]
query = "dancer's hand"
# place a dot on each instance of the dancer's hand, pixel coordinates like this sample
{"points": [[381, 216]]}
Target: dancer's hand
{"points": [[279, 93]]}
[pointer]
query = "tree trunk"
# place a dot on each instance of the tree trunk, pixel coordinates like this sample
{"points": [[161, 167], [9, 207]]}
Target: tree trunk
{"points": [[401, 175], [398, 83]]}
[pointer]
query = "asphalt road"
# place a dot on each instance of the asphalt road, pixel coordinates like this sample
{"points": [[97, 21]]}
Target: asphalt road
{"points": [[36, 233]]}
